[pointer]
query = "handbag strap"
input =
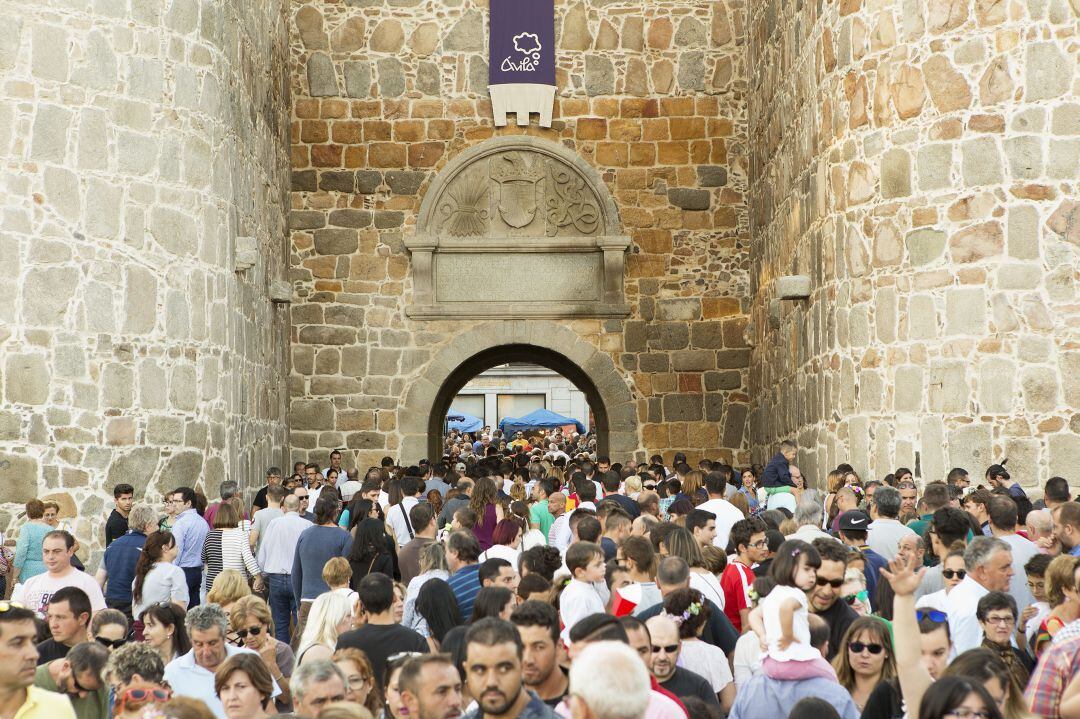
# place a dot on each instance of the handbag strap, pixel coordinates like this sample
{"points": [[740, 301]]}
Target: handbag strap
{"points": [[405, 514]]}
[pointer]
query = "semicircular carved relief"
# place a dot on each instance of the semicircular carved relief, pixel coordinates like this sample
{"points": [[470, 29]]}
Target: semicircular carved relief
{"points": [[507, 202]]}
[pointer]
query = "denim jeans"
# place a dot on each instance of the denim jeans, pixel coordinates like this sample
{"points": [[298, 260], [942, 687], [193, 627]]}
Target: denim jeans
{"points": [[282, 605]]}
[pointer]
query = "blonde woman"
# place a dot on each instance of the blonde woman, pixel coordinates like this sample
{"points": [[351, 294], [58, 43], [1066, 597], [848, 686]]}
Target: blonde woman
{"points": [[229, 587], [331, 615], [632, 486], [432, 566], [251, 622]]}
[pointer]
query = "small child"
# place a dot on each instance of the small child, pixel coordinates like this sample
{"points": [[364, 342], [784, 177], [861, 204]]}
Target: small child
{"points": [[585, 561], [785, 616], [337, 574]]}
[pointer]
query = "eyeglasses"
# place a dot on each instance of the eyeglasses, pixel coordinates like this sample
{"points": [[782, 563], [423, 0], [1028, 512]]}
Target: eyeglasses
{"points": [[142, 696], [932, 614], [1003, 621], [253, 631], [110, 643], [760, 544], [950, 573], [965, 713], [666, 649], [859, 648], [301, 496], [834, 583]]}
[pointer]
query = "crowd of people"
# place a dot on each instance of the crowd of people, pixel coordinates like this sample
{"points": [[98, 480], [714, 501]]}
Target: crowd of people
{"points": [[511, 579]]}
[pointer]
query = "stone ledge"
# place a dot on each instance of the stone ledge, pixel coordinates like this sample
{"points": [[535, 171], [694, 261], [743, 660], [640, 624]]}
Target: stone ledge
{"points": [[499, 310]]}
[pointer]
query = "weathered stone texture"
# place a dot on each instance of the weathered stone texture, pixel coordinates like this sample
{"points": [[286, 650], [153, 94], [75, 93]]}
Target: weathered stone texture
{"points": [[149, 137], [652, 100], [948, 147]]}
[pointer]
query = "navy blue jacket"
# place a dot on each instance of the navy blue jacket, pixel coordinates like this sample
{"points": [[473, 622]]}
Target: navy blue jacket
{"points": [[776, 473]]}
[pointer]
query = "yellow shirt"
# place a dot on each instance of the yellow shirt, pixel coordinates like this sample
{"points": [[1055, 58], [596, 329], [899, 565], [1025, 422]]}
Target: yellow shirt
{"points": [[41, 704]]}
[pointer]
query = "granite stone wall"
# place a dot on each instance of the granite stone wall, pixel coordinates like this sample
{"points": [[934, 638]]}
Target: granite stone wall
{"points": [[918, 160], [651, 95], [145, 166]]}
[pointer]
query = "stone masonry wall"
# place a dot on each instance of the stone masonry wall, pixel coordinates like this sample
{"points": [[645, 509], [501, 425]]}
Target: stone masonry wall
{"points": [[138, 141], [650, 93], [918, 159]]}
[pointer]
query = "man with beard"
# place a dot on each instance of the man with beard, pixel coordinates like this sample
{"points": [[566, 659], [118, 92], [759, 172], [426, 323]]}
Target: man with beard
{"points": [[493, 655], [430, 687], [538, 625], [823, 597]]}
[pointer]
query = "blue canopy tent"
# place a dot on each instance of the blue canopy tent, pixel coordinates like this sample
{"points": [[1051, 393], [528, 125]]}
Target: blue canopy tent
{"points": [[538, 418], [463, 422]]}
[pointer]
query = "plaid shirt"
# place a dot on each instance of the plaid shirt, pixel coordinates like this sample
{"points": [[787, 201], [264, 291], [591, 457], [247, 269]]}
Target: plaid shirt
{"points": [[1056, 668]]}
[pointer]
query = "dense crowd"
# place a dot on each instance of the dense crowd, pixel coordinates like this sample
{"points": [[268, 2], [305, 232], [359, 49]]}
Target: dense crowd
{"points": [[529, 577]]}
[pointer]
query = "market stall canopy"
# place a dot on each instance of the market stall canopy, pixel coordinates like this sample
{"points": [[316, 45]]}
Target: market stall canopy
{"points": [[463, 422], [538, 419]]}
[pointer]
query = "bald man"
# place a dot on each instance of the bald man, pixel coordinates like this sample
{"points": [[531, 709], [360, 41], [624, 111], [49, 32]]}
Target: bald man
{"points": [[683, 683]]}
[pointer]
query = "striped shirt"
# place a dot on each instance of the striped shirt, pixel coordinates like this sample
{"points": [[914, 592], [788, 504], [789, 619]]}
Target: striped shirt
{"points": [[227, 549], [465, 583]]}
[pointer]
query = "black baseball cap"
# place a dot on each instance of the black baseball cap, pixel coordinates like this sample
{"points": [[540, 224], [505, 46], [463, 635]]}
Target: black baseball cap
{"points": [[854, 520]]}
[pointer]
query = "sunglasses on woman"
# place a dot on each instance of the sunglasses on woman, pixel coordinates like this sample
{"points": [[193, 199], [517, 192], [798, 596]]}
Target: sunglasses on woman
{"points": [[253, 631], [110, 643], [138, 697], [859, 648], [851, 599], [950, 573]]}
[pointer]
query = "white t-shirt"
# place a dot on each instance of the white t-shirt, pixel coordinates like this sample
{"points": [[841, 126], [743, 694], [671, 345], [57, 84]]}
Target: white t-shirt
{"points": [[397, 520], [37, 590], [800, 649], [709, 586], [708, 661], [726, 515], [746, 659], [501, 551]]}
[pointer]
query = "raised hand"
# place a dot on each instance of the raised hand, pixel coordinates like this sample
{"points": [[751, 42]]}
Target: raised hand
{"points": [[903, 576]]}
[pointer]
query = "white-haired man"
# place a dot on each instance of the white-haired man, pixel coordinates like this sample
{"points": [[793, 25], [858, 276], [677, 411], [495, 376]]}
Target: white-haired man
{"points": [[989, 569], [623, 694], [192, 675]]}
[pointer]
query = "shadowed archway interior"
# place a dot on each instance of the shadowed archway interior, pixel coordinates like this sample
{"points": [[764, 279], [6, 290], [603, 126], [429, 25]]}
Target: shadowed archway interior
{"points": [[503, 354]]}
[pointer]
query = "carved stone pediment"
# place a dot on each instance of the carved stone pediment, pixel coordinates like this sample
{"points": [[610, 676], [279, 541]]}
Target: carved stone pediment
{"points": [[517, 226]]}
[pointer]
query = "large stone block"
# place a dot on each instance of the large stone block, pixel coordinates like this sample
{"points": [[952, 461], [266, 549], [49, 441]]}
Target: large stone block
{"points": [[996, 385], [908, 389], [311, 414], [965, 311], [895, 173], [981, 162], [1039, 387], [683, 407], [1047, 77], [934, 166], [1064, 453], [949, 391], [18, 477], [26, 379], [971, 447]]}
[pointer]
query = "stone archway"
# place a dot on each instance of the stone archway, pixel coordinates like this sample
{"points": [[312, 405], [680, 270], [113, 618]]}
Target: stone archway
{"points": [[428, 396]]}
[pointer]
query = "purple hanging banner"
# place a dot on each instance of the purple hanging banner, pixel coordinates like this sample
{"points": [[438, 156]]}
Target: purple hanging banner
{"points": [[521, 64]]}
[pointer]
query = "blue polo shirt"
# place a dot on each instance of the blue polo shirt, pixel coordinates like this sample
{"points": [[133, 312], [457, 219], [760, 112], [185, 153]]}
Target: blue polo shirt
{"points": [[120, 558]]}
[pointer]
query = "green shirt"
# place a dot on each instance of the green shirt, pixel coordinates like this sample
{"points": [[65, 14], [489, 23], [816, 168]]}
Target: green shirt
{"points": [[540, 515], [94, 705]]}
